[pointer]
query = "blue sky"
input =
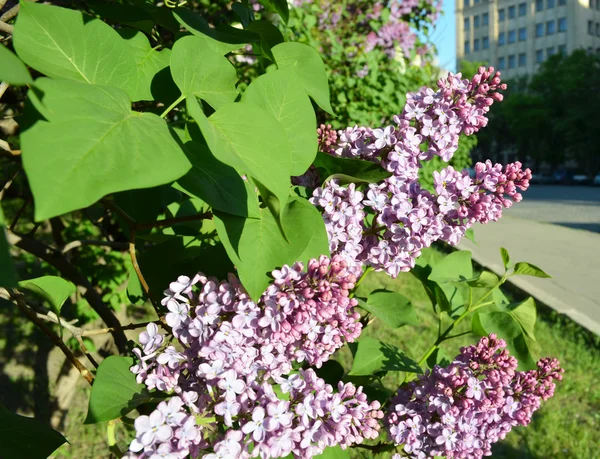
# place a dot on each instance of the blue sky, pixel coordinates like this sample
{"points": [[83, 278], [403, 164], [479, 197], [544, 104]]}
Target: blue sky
{"points": [[444, 37]]}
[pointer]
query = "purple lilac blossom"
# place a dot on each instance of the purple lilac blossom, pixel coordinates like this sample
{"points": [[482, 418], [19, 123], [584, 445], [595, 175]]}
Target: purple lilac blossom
{"points": [[461, 410], [388, 225], [233, 352]]}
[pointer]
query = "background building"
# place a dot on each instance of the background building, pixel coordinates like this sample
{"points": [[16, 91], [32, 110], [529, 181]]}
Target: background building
{"points": [[515, 36]]}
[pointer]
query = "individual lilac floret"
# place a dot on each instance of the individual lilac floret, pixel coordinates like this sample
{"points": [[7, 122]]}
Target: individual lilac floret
{"points": [[233, 351], [461, 410]]}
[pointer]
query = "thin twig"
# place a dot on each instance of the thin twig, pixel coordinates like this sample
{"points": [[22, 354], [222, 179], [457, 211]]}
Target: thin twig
{"points": [[102, 331], [18, 298], [138, 271], [6, 28], [8, 183], [3, 88], [18, 214], [75, 331], [69, 272], [76, 244], [2, 3], [115, 208], [10, 13], [174, 221]]}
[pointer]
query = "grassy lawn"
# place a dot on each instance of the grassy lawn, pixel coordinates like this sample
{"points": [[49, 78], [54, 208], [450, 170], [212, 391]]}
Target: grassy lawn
{"points": [[567, 425]]}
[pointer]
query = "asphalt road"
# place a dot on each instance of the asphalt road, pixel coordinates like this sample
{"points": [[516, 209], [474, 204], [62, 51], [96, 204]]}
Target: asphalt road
{"points": [[571, 206]]}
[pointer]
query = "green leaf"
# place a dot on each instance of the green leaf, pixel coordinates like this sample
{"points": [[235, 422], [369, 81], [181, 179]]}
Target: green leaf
{"points": [[24, 437], [331, 372], [280, 94], [309, 67], [392, 308], [217, 184], [279, 6], [8, 277], [149, 63], [55, 290], [456, 266], [203, 72], [269, 36], [243, 12], [527, 269], [130, 15], [250, 140], [222, 40], [373, 356], [257, 247], [505, 257], [115, 391], [500, 323], [525, 313], [63, 43], [350, 170], [93, 145], [334, 452], [470, 235], [12, 70]]}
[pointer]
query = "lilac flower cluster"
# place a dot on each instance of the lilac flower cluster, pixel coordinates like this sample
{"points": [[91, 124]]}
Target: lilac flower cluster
{"points": [[232, 352], [387, 226], [461, 410]]}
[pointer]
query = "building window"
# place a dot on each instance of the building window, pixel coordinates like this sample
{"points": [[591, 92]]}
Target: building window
{"points": [[522, 9], [485, 42], [476, 45], [501, 15], [590, 27], [512, 12], [475, 21], [550, 52], [539, 56], [501, 39], [485, 19], [522, 34], [550, 4], [562, 50], [512, 36], [522, 60], [512, 62], [562, 2], [467, 3], [501, 63], [467, 23], [539, 30], [562, 25], [467, 47], [550, 27], [539, 5]]}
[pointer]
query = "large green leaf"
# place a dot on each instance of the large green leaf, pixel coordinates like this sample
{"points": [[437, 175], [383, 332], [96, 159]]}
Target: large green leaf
{"points": [[392, 308], [269, 36], [251, 140], [8, 277], [55, 290], [309, 67], [280, 94], [92, 145], [149, 63], [12, 70], [349, 170], [203, 72], [373, 356], [257, 247], [222, 40], [217, 183], [454, 267], [505, 257], [62, 43], [115, 391], [24, 437]]}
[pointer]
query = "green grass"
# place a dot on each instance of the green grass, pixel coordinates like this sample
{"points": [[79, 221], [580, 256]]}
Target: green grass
{"points": [[566, 426]]}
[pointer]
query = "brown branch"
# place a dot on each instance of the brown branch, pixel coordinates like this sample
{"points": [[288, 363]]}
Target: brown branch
{"points": [[102, 331], [138, 271], [9, 183], [75, 331], [76, 244], [6, 28], [18, 298], [174, 221], [18, 214], [10, 13], [69, 272], [3, 88], [2, 3]]}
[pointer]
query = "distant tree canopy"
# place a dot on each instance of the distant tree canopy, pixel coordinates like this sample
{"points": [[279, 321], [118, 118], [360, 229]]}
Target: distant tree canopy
{"points": [[553, 117]]}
